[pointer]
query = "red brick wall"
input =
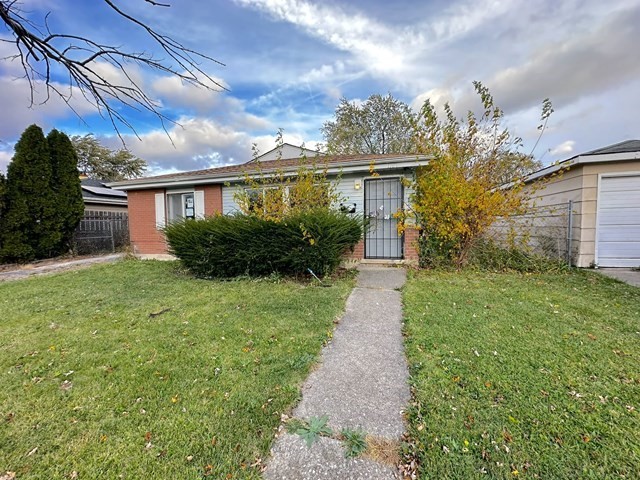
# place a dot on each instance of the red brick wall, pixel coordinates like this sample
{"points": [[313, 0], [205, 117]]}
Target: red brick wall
{"points": [[145, 237], [358, 252], [411, 244], [212, 199], [410, 247]]}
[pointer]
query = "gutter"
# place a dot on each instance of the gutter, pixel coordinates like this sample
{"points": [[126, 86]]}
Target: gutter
{"points": [[410, 161], [583, 160]]}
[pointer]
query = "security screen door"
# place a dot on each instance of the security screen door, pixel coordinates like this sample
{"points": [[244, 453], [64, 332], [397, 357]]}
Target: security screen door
{"points": [[382, 198]]}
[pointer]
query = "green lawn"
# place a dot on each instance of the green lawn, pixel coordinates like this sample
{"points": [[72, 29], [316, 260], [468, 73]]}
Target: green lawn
{"points": [[523, 376], [94, 384]]}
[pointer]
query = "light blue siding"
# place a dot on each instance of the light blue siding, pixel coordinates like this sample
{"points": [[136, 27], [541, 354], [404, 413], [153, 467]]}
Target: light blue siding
{"points": [[345, 189]]}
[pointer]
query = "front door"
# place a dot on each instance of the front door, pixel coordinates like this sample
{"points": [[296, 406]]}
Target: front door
{"points": [[382, 199]]}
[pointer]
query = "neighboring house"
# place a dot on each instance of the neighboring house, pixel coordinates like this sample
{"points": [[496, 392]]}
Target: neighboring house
{"points": [[100, 198], [368, 184], [604, 187]]}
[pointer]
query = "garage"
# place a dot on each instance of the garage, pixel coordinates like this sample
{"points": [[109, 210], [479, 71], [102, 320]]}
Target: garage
{"points": [[618, 221]]}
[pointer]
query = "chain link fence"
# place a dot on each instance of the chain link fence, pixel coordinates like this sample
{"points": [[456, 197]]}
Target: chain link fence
{"points": [[544, 230], [100, 232]]}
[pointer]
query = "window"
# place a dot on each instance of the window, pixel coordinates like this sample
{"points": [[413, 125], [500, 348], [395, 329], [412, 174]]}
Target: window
{"points": [[256, 200], [180, 205]]}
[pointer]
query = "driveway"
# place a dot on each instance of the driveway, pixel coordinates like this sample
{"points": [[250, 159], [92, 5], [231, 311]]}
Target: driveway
{"points": [[52, 266], [632, 277]]}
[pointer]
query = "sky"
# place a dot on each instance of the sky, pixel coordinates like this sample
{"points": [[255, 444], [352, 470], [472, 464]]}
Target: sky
{"points": [[287, 64]]}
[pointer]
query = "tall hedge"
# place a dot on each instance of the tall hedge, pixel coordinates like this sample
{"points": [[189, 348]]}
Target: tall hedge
{"points": [[65, 184], [229, 246], [29, 223]]}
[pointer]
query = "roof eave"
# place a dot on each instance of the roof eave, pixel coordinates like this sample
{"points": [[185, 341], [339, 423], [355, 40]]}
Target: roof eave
{"points": [[105, 201], [582, 160], [400, 162]]}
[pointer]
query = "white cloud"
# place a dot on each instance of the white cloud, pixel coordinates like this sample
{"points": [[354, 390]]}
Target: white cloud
{"points": [[377, 46], [194, 144], [175, 92], [565, 148]]}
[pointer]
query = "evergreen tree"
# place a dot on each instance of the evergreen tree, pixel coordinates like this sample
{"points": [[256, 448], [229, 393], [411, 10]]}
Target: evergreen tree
{"points": [[3, 200], [29, 223], [3, 191], [65, 184]]}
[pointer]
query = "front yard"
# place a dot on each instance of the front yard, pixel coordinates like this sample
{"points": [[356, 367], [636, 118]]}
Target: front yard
{"points": [[523, 376], [132, 370]]}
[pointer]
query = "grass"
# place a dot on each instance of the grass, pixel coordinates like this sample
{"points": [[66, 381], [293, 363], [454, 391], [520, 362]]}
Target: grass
{"points": [[133, 370], [523, 376]]}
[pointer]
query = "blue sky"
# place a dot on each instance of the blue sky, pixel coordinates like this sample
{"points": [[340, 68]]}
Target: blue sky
{"points": [[288, 62]]}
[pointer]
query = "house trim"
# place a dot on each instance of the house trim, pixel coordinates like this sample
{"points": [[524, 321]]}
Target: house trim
{"points": [[383, 164]]}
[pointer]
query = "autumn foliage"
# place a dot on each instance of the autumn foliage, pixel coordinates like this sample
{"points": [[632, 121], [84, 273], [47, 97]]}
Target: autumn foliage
{"points": [[474, 178]]}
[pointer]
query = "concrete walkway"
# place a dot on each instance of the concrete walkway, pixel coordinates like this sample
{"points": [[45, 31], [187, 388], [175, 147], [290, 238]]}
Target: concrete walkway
{"points": [[627, 275], [360, 384], [35, 269]]}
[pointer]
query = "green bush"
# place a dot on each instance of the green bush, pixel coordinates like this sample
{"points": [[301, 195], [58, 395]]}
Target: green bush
{"points": [[229, 246]]}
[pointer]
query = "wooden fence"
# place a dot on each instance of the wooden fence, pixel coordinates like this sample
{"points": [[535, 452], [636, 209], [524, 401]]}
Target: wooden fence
{"points": [[101, 232]]}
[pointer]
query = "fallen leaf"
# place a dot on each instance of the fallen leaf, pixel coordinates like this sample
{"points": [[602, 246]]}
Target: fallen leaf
{"points": [[32, 451]]}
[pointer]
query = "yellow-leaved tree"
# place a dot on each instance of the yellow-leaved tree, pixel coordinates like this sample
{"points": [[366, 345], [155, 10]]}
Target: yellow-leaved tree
{"points": [[475, 176], [277, 191]]}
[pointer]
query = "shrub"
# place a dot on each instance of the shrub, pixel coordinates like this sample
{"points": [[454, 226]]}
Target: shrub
{"points": [[228, 246], [487, 254]]}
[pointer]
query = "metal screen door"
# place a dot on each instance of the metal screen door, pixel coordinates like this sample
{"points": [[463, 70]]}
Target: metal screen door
{"points": [[382, 198]]}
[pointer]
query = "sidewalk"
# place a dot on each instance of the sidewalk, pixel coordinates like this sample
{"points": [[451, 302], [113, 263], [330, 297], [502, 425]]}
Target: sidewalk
{"points": [[360, 384], [33, 269]]}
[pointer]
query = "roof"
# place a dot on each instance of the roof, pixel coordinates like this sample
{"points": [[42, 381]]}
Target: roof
{"points": [[623, 147], [617, 152], [333, 163], [285, 150], [96, 191]]}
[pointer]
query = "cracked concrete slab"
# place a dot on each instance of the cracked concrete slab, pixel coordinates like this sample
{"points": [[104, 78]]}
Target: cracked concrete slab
{"points": [[361, 382], [293, 460]]}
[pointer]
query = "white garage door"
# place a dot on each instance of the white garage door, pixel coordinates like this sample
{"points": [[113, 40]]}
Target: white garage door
{"points": [[618, 233]]}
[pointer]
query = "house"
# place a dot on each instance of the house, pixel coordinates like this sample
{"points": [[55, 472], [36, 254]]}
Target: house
{"points": [[370, 185], [603, 186], [100, 198]]}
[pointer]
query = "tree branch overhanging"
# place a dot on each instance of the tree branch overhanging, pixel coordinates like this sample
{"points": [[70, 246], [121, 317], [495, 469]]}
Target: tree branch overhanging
{"points": [[39, 51]]}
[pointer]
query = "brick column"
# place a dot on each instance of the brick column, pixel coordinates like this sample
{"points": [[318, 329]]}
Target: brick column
{"points": [[411, 235], [145, 238], [212, 199]]}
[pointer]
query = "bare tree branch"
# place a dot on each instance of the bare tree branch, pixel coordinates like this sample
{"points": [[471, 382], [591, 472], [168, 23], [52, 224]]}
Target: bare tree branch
{"points": [[38, 50]]}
